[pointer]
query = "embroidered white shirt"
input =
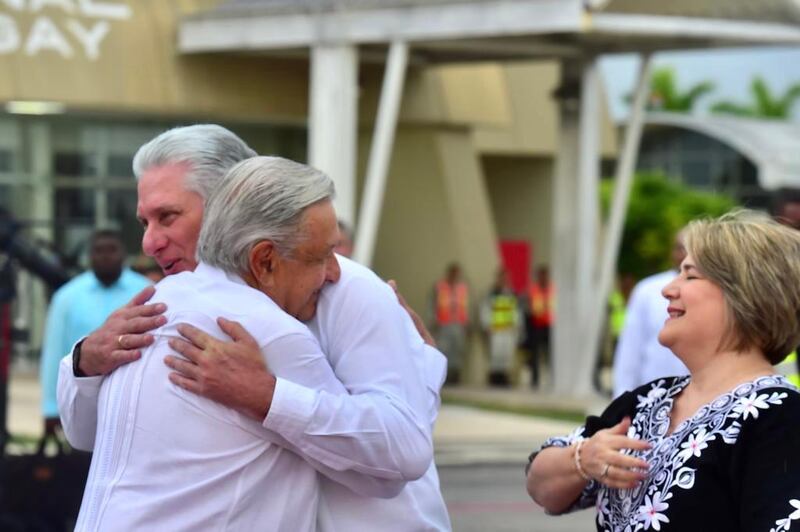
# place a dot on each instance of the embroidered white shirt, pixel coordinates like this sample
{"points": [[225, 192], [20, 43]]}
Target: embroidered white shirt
{"points": [[166, 459], [375, 351]]}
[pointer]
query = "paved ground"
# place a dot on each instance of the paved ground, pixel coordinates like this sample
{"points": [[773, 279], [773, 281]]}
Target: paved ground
{"points": [[492, 498], [480, 455], [465, 435]]}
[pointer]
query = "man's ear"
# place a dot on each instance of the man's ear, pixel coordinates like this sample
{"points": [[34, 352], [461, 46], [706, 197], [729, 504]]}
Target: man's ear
{"points": [[262, 261]]}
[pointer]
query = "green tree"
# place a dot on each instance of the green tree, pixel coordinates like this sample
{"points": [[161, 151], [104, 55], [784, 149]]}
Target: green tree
{"points": [[657, 210], [765, 103], [666, 96]]}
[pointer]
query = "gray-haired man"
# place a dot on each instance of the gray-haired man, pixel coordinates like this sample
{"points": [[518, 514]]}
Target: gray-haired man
{"points": [[372, 441]]}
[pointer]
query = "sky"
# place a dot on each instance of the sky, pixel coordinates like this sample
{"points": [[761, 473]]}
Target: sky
{"points": [[730, 70]]}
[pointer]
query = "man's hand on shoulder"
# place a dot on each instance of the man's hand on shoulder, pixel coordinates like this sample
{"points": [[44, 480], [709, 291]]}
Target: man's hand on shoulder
{"points": [[122, 336], [231, 373]]}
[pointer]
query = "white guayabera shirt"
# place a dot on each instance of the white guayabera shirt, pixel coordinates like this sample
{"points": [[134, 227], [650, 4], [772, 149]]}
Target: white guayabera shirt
{"points": [[373, 347], [166, 459]]}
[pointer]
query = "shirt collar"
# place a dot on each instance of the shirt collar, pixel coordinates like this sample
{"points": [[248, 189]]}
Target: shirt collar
{"points": [[213, 272]]}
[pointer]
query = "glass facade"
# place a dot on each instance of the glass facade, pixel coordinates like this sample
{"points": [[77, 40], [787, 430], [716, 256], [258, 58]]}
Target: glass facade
{"points": [[703, 163], [63, 176], [81, 168]]}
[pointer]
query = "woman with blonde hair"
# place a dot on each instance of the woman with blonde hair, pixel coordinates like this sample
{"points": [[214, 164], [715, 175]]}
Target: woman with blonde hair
{"points": [[715, 450]]}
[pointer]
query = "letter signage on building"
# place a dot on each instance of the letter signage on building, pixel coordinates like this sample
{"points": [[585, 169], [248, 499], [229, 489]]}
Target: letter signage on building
{"points": [[64, 28]]}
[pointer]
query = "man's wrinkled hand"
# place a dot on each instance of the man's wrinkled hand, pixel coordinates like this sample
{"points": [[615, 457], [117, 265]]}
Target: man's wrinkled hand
{"points": [[231, 373], [122, 336]]}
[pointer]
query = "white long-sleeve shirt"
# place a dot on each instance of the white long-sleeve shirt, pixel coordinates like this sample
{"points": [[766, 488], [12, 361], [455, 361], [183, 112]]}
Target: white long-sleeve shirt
{"points": [[639, 357], [374, 347], [374, 440], [166, 459]]}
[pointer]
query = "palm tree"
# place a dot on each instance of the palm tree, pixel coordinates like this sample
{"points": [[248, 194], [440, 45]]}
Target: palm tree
{"points": [[764, 103], [666, 96]]}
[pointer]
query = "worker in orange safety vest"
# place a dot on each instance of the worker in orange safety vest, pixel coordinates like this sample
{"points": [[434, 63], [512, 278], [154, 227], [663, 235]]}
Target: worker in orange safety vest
{"points": [[451, 319], [541, 308]]}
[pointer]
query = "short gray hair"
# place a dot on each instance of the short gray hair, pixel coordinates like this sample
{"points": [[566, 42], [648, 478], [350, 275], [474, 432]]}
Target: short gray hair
{"points": [[262, 198], [209, 150]]}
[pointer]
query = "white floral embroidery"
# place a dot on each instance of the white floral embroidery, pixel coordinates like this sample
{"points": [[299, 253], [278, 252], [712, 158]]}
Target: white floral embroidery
{"points": [[651, 511], [731, 434], [602, 509], [786, 523], [645, 507], [684, 478], [750, 405], [656, 392], [695, 444]]}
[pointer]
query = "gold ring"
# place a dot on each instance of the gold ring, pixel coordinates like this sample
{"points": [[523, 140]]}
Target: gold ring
{"points": [[605, 471], [119, 341]]}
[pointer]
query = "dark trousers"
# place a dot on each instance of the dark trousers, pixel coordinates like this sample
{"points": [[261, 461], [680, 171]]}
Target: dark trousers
{"points": [[538, 346]]}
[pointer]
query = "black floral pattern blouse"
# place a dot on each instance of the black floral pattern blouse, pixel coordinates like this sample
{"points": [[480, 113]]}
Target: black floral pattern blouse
{"points": [[733, 466]]}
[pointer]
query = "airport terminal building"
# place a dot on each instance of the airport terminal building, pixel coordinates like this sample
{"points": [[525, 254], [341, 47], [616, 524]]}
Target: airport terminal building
{"points": [[498, 137]]}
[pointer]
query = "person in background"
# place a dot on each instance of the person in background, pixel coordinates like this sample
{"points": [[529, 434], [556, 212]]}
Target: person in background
{"points": [[717, 449], [451, 319], [345, 245], [541, 301], [787, 211], [500, 319], [81, 306], [639, 358], [617, 306]]}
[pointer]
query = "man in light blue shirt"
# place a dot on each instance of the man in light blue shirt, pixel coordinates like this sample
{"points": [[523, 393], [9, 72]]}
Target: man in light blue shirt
{"points": [[82, 305]]}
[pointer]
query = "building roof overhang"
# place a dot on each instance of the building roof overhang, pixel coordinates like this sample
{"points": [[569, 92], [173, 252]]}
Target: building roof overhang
{"points": [[490, 30]]}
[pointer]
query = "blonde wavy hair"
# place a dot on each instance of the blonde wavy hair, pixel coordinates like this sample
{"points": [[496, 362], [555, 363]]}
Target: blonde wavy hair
{"points": [[756, 262]]}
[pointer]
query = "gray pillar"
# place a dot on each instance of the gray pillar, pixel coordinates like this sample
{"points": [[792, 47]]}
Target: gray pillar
{"points": [[565, 230], [369, 216], [42, 211], [575, 225], [332, 124], [626, 164]]}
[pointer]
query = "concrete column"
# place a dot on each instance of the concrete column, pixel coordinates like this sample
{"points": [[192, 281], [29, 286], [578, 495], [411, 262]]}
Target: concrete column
{"points": [[564, 253], [588, 185], [42, 211], [623, 180], [381, 152], [575, 224], [96, 142], [333, 114]]}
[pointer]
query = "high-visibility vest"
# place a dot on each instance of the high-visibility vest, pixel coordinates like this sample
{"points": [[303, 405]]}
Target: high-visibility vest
{"points": [[541, 301], [451, 303], [617, 312], [788, 368], [504, 310]]}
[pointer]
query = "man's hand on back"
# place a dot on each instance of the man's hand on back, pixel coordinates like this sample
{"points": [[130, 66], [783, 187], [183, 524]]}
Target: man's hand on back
{"points": [[231, 373], [122, 336], [427, 337]]}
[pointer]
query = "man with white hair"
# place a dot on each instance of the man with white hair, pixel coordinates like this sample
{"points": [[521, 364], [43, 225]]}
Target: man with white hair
{"points": [[166, 459], [373, 440]]}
